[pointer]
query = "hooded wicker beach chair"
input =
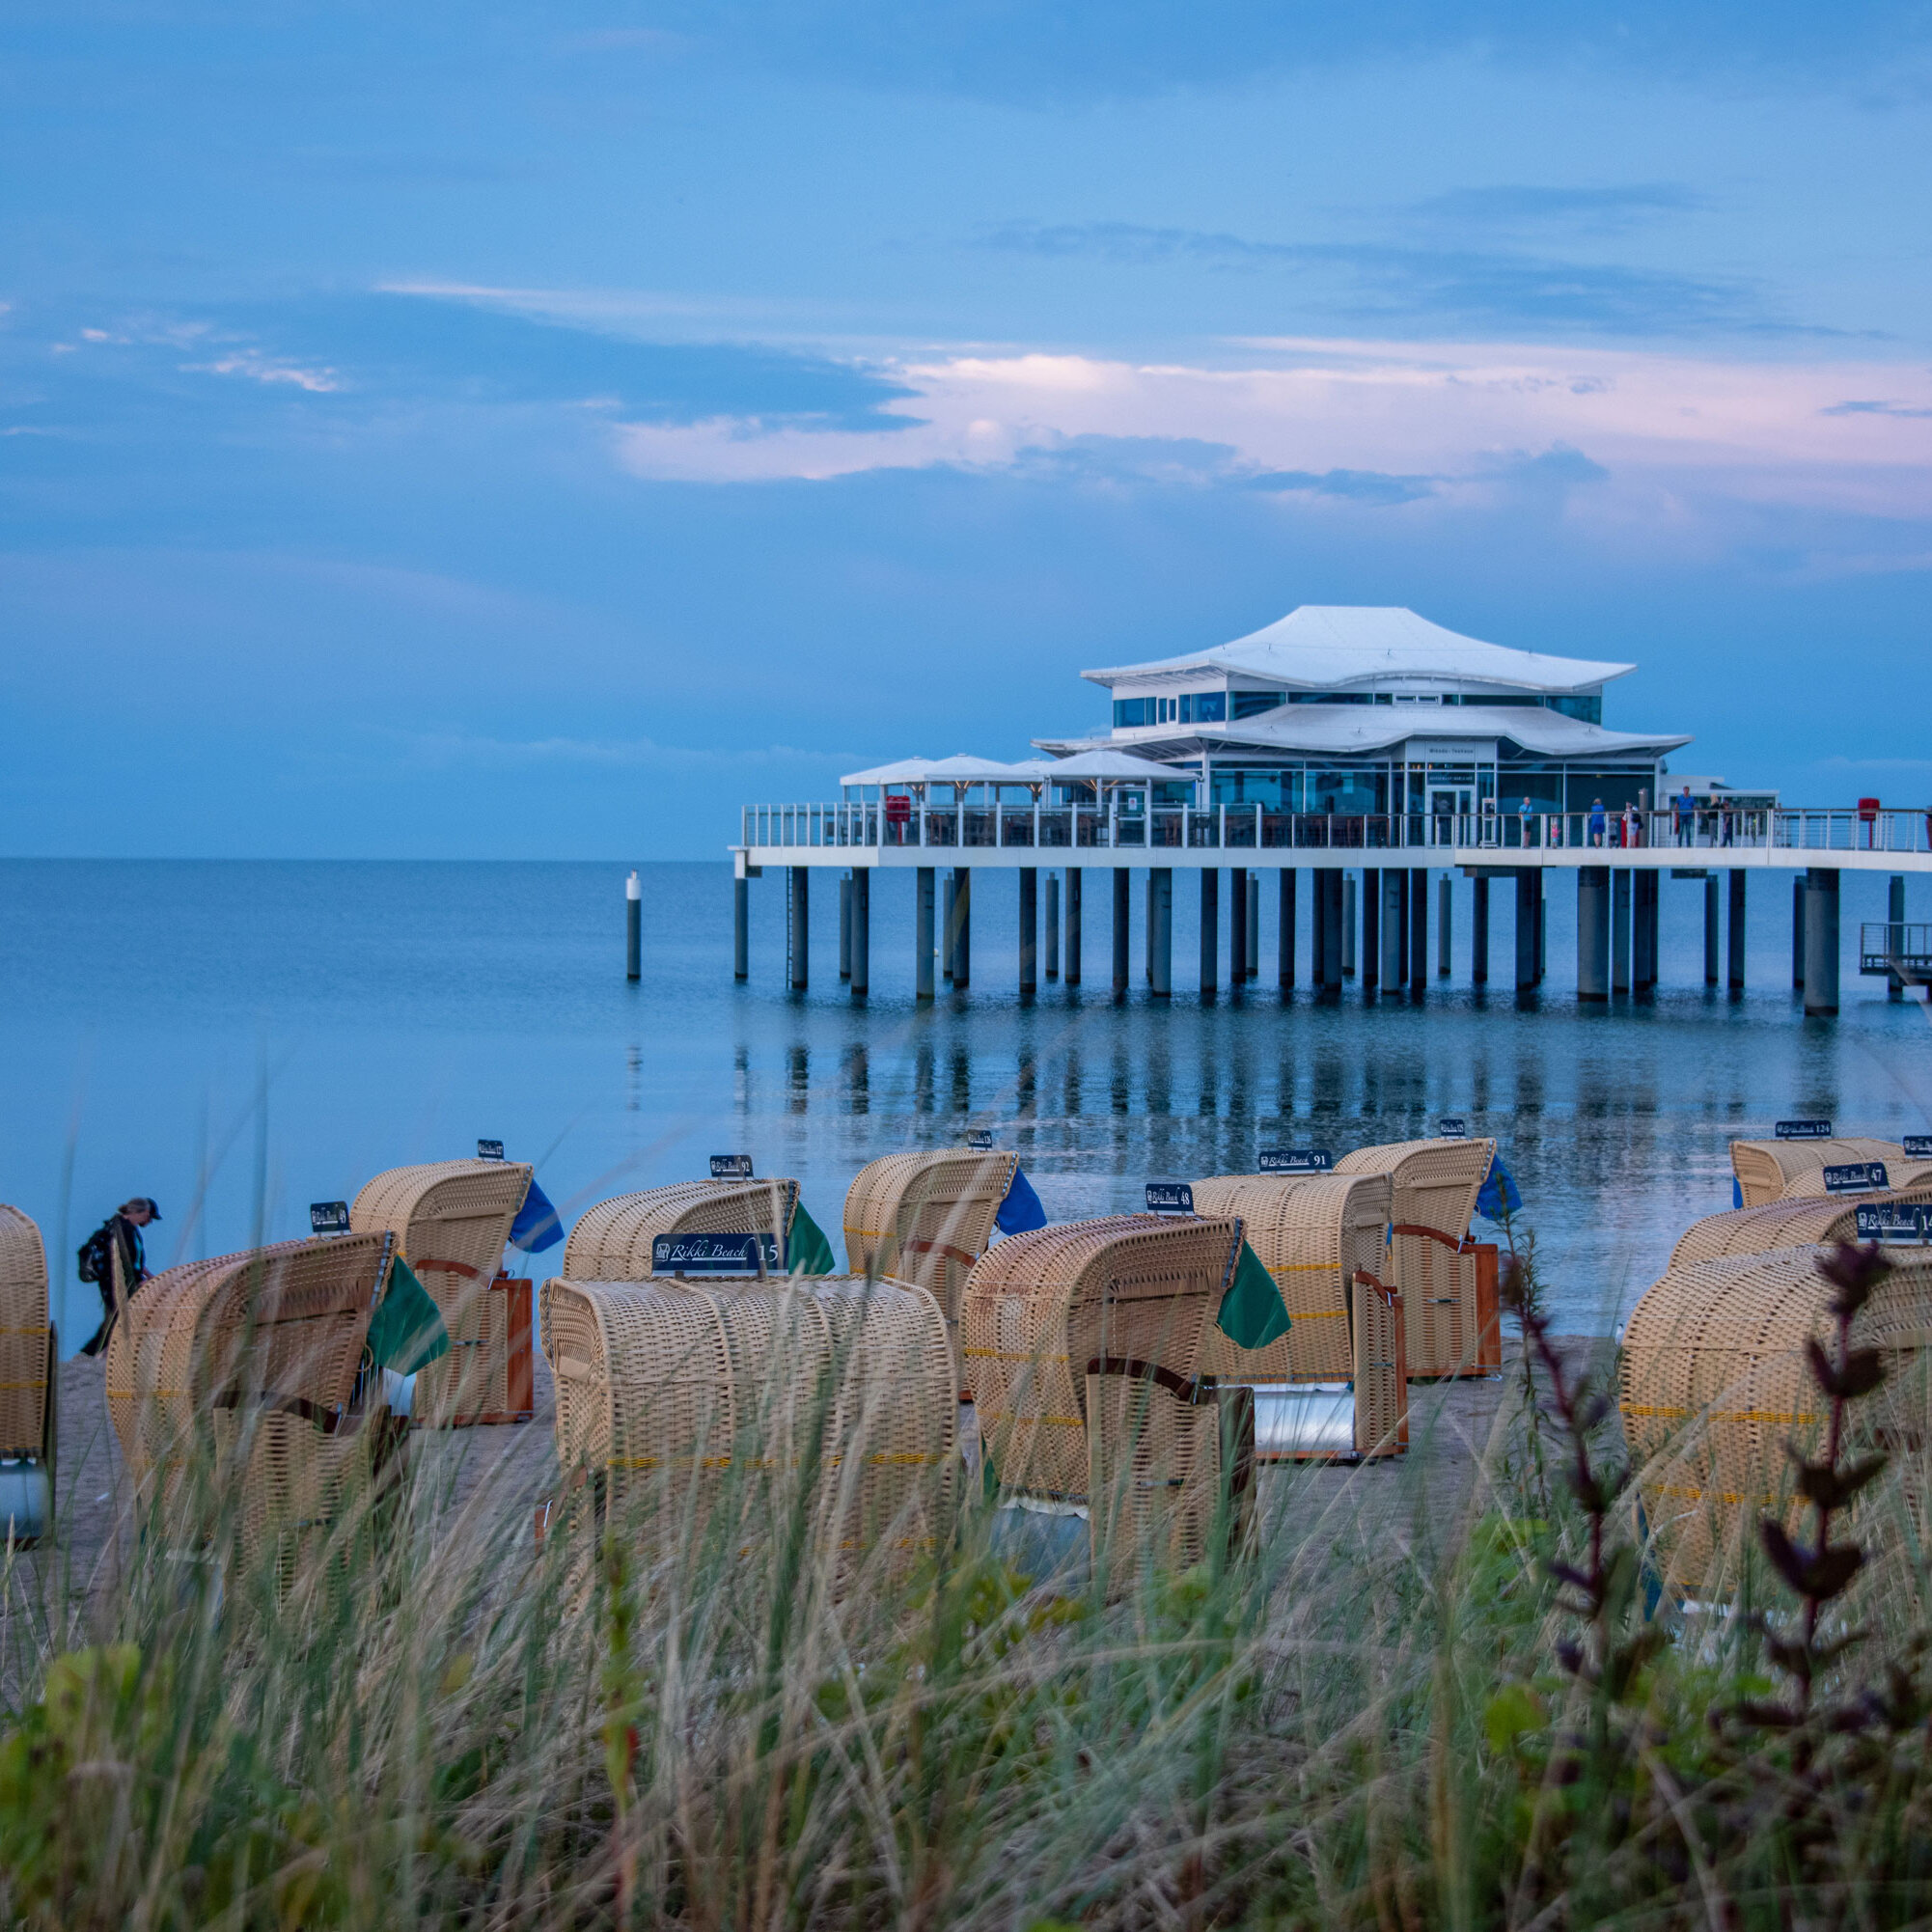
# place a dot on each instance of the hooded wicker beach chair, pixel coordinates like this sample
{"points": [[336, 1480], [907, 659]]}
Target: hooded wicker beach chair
{"points": [[612, 1241], [1447, 1281], [1794, 1221], [1041, 1307], [674, 1396], [1766, 1169], [1905, 1176], [452, 1220], [926, 1217], [1714, 1382], [243, 1374], [1320, 1237], [28, 1359]]}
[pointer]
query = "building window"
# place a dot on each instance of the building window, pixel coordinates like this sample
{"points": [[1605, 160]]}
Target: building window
{"points": [[1133, 711], [1588, 709], [1252, 704], [1203, 707]]}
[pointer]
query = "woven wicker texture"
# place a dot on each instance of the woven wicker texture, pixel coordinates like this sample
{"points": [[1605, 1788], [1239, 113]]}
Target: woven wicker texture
{"points": [[452, 1219], [1380, 1369], [926, 1217], [1765, 1169], [287, 1321], [612, 1241], [1713, 1381], [1905, 1177], [23, 1336], [1170, 1461], [1312, 1233], [1432, 1262], [1792, 1222], [665, 1389], [1041, 1306]]}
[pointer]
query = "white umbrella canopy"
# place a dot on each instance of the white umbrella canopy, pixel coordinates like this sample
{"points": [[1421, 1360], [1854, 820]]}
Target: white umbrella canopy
{"points": [[1086, 767], [958, 769], [903, 771]]}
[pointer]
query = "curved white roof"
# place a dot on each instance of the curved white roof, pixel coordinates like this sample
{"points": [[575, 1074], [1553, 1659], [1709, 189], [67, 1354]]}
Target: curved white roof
{"points": [[1106, 763], [959, 769], [1330, 647]]}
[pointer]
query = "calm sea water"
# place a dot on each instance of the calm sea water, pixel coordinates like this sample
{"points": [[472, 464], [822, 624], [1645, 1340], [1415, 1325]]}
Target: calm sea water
{"points": [[239, 1039]]}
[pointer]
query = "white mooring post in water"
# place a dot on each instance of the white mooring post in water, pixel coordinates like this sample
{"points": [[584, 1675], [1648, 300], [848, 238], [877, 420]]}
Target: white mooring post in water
{"points": [[633, 928]]}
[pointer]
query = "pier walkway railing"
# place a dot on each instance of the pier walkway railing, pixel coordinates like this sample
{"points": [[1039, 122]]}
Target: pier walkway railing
{"points": [[1073, 828]]}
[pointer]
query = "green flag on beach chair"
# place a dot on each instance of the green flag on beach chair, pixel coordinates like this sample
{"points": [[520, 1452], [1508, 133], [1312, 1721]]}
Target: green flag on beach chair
{"points": [[1253, 1313], [810, 1253]]}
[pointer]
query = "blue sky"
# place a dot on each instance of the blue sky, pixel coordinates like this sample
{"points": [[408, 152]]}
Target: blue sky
{"points": [[529, 432]]}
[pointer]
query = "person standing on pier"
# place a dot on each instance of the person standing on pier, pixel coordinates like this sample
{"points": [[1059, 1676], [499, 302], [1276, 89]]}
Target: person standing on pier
{"points": [[119, 1234], [1596, 822], [1685, 814]]}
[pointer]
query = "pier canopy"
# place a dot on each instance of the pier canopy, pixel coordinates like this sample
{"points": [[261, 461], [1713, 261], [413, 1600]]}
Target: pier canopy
{"points": [[960, 772]]}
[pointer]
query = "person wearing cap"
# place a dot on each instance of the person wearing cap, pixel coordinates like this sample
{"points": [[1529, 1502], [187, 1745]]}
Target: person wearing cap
{"points": [[119, 1234]]}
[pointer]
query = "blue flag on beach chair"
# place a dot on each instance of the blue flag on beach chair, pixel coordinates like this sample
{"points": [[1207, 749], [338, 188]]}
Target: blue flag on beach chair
{"points": [[1020, 1210], [537, 1226], [1498, 1195]]}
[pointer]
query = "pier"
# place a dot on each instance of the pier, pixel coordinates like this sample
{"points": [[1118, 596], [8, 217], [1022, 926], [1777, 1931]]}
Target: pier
{"points": [[1368, 888]]}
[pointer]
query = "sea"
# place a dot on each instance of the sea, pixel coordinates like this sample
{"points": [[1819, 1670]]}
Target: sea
{"points": [[240, 1039]]}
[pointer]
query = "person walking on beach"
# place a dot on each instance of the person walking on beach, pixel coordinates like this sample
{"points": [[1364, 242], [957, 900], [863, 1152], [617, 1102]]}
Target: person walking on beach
{"points": [[119, 1234]]}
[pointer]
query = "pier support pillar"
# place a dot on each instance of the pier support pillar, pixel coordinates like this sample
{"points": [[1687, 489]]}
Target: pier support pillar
{"points": [[1284, 931], [962, 928], [1798, 933], [1348, 896], [1372, 932], [1821, 940], [633, 928], [1529, 897], [1210, 930], [800, 925], [1050, 925], [844, 925], [1593, 948], [1619, 929], [741, 929], [1542, 930], [1894, 940], [860, 923], [1332, 928], [1071, 955], [1029, 931], [1710, 928], [922, 933], [1645, 891], [1479, 931], [1251, 965], [1445, 907], [1318, 934], [1238, 924], [946, 934], [1395, 897], [1418, 931], [1160, 926], [1122, 880], [1734, 929]]}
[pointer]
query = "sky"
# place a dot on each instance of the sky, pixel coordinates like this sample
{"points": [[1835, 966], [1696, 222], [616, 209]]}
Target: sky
{"points": [[537, 430]]}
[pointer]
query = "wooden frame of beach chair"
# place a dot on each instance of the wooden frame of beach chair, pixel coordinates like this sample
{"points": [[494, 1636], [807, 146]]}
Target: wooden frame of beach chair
{"points": [[1714, 1382], [29, 1383], [452, 1220], [1905, 1177], [1041, 1306], [1793, 1222], [611, 1241], [1171, 1466], [1447, 1282], [926, 1217], [667, 1389], [1765, 1169], [1320, 1237]]}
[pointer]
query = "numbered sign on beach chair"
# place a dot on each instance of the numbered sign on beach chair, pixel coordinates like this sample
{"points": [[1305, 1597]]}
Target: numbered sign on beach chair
{"points": [[452, 1220], [612, 1241], [1764, 1170], [29, 1383], [1715, 1382], [676, 1399], [1448, 1282], [1792, 1222], [1334, 1384]]}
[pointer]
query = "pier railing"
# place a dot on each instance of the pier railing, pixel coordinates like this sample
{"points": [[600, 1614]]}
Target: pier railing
{"points": [[1071, 828]]}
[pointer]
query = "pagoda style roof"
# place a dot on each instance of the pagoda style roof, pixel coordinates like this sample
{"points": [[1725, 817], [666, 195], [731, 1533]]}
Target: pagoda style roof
{"points": [[1334, 647]]}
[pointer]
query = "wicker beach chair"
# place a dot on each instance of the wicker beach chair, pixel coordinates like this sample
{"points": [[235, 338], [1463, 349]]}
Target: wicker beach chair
{"points": [[1793, 1222], [1448, 1282], [926, 1217], [1714, 1382], [1766, 1169], [1905, 1176], [1320, 1237], [668, 1391], [1041, 1307], [29, 1383], [611, 1241], [245, 1371], [452, 1220]]}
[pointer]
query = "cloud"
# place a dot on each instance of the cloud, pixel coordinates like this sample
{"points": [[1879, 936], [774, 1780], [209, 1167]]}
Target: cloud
{"points": [[259, 367], [1875, 410], [1364, 486], [1589, 211], [1376, 282]]}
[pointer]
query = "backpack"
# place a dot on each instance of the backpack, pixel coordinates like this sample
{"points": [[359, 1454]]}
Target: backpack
{"points": [[95, 1261]]}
